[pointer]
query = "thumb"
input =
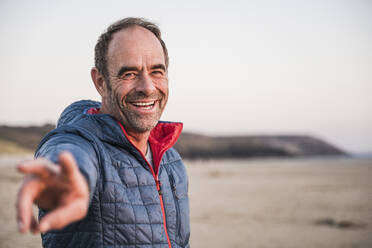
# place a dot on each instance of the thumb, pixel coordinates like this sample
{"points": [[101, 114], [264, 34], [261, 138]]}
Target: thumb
{"points": [[63, 216]]}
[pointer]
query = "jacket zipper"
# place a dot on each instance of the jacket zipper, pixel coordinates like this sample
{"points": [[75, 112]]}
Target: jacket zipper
{"points": [[158, 187], [157, 182]]}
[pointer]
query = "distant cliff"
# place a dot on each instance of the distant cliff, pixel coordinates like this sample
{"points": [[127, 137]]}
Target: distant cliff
{"points": [[25, 137], [195, 146]]}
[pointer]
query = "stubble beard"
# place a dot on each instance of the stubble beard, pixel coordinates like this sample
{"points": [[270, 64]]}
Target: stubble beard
{"points": [[131, 120]]}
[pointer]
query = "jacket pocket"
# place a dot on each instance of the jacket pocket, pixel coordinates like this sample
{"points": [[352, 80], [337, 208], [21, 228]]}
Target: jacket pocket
{"points": [[181, 201]]}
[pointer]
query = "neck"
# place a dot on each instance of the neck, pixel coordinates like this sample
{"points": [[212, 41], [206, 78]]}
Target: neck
{"points": [[139, 140]]}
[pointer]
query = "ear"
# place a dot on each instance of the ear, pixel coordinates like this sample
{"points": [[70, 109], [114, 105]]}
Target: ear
{"points": [[99, 81]]}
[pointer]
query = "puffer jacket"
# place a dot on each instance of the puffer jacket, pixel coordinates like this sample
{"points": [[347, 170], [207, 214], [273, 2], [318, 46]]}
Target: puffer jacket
{"points": [[131, 203]]}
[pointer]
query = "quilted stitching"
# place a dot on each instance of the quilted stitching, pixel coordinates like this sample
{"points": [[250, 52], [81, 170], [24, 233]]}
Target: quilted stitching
{"points": [[125, 208]]}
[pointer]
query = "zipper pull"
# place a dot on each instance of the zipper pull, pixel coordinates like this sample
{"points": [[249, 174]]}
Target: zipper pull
{"points": [[175, 191], [173, 185], [158, 186]]}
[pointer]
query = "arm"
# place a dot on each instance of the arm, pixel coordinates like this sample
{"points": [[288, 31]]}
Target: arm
{"points": [[60, 182]]}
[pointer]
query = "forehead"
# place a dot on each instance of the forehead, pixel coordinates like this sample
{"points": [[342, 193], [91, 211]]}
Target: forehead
{"points": [[134, 46]]}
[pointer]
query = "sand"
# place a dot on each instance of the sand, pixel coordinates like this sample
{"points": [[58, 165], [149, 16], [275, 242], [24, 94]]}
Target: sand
{"points": [[254, 203]]}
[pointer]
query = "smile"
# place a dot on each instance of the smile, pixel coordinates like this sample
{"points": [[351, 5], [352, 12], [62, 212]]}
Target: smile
{"points": [[143, 105]]}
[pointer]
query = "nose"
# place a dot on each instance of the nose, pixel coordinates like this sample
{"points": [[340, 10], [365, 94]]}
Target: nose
{"points": [[145, 85]]}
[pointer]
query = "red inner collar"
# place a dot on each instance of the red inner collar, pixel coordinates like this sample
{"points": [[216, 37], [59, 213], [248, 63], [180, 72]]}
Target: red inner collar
{"points": [[162, 137]]}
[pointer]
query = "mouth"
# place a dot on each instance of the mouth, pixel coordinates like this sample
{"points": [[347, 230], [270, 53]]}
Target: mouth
{"points": [[143, 105]]}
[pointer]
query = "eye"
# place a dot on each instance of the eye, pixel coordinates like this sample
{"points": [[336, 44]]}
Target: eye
{"points": [[129, 75], [158, 73]]}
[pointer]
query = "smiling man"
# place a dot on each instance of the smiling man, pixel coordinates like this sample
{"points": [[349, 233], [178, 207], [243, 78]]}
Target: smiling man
{"points": [[108, 176]]}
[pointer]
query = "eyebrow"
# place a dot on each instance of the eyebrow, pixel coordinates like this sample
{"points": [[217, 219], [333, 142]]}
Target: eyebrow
{"points": [[125, 69], [158, 66]]}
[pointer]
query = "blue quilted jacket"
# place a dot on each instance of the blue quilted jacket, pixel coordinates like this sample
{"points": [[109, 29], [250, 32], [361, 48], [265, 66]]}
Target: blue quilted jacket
{"points": [[131, 203]]}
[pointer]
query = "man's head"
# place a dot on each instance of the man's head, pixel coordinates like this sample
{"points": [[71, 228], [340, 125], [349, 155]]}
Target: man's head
{"points": [[100, 56], [130, 73]]}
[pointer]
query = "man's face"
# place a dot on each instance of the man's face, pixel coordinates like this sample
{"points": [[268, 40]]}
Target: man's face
{"points": [[138, 79]]}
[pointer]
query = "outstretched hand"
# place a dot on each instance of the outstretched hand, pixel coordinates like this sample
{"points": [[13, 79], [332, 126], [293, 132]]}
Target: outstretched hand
{"points": [[61, 189]]}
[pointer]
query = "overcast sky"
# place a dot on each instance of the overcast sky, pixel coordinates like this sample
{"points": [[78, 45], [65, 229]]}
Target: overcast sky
{"points": [[236, 67]]}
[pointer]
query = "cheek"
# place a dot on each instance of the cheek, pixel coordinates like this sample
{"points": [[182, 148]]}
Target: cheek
{"points": [[121, 92], [163, 87]]}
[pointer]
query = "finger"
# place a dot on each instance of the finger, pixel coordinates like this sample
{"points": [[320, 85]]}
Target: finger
{"points": [[34, 225], [72, 172], [26, 195], [68, 164], [63, 216], [40, 167]]}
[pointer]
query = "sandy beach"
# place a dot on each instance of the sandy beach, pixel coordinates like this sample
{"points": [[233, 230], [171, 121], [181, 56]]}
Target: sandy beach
{"points": [[253, 203]]}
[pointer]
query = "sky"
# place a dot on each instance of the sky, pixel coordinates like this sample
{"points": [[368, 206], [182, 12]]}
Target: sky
{"points": [[236, 67]]}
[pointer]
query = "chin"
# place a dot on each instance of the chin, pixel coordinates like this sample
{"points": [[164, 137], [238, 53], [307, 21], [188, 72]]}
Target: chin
{"points": [[143, 126]]}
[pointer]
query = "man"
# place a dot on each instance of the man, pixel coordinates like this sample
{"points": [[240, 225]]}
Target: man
{"points": [[107, 175]]}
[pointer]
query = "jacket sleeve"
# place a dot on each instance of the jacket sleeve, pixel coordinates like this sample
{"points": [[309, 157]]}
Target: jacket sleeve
{"points": [[80, 148]]}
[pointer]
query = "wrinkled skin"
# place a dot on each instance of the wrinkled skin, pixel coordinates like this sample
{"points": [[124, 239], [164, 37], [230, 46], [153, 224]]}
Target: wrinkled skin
{"points": [[137, 74]]}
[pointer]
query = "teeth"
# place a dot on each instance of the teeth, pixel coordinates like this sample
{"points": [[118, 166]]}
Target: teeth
{"points": [[143, 104]]}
